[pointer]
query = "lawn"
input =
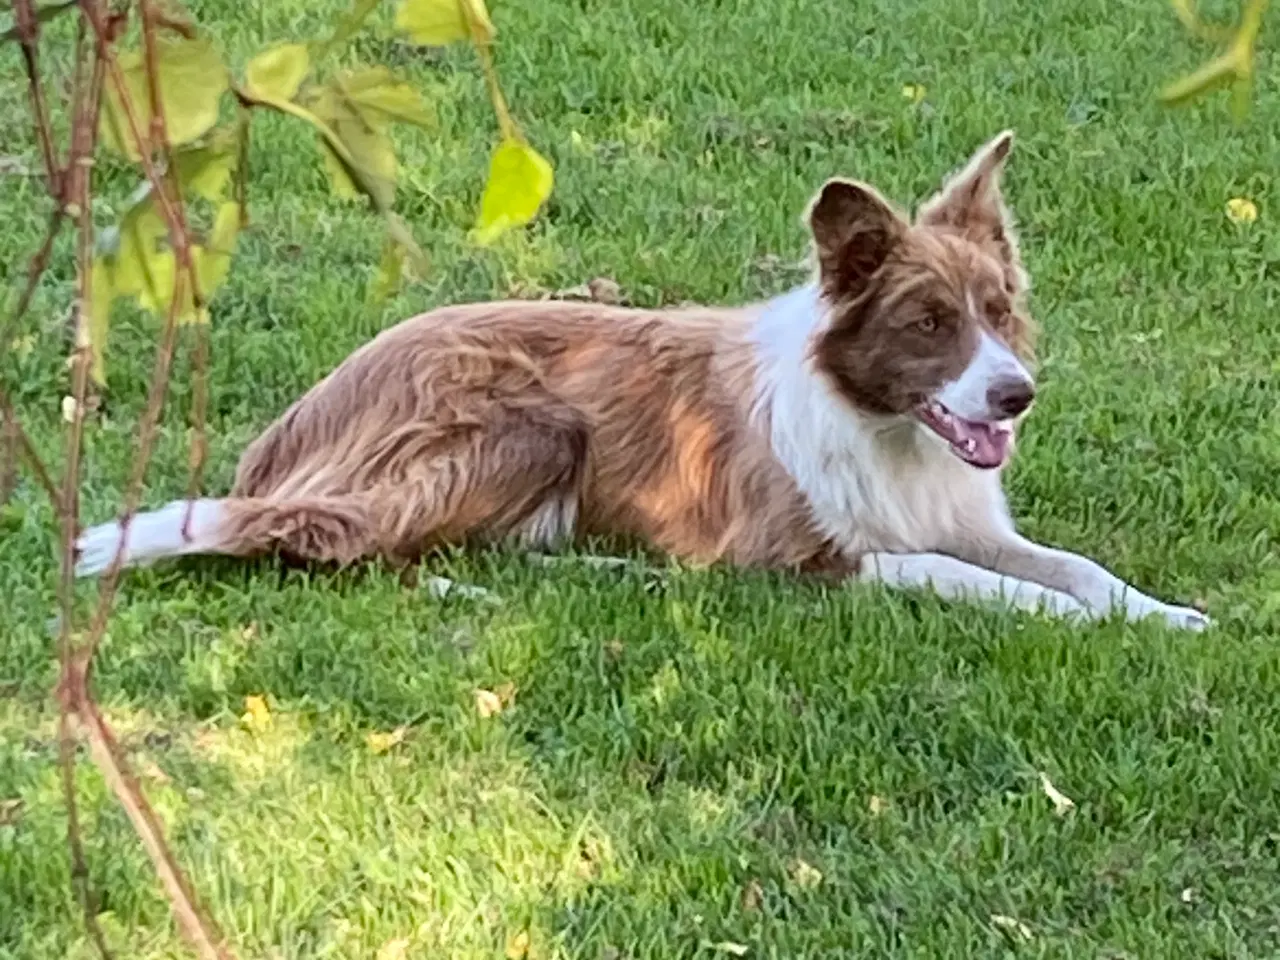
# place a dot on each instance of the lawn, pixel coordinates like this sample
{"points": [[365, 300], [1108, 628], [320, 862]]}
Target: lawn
{"points": [[701, 763]]}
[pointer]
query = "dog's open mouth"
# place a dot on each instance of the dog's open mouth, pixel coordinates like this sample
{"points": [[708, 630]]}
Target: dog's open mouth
{"points": [[983, 444]]}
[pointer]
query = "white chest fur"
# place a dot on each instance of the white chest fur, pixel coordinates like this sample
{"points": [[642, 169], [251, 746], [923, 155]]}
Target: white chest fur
{"points": [[874, 483]]}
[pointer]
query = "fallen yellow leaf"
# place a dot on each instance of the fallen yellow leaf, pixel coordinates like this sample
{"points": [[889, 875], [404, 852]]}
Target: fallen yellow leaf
{"points": [[1241, 210], [915, 92], [257, 715], [1013, 925], [1062, 804], [518, 946], [805, 874], [382, 742], [488, 703], [877, 805], [396, 949]]}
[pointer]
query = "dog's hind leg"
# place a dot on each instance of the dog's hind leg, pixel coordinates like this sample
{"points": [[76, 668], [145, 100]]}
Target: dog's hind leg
{"points": [[523, 483]]}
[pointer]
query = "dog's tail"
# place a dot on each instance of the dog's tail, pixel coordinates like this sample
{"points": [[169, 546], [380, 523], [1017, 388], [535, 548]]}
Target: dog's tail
{"points": [[315, 528]]}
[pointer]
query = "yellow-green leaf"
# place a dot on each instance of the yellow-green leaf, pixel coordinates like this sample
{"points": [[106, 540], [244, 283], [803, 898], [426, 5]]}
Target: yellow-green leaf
{"points": [[192, 80], [390, 271], [276, 74], [138, 256], [101, 296], [380, 97], [368, 149], [206, 171], [213, 260], [347, 26], [435, 23], [520, 180], [380, 742]]}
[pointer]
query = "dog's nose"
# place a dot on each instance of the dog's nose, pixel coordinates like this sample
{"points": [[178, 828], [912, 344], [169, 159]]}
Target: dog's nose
{"points": [[1009, 398]]}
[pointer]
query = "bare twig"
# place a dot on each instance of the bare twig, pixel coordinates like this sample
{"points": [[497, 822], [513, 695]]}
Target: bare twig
{"points": [[35, 270], [29, 37], [73, 197], [108, 757], [74, 688], [20, 443], [178, 236]]}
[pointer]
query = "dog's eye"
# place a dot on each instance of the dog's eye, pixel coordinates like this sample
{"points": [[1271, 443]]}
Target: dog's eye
{"points": [[927, 324]]}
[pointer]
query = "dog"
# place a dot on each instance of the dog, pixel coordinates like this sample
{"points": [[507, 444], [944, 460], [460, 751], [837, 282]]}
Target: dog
{"points": [[855, 427]]}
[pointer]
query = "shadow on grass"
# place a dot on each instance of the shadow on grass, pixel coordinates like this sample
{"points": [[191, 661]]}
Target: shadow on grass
{"points": [[692, 761]]}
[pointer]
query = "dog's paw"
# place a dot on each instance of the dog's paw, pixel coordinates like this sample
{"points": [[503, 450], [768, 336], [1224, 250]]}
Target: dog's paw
{"points": [[1185, 618], [96, 548]]}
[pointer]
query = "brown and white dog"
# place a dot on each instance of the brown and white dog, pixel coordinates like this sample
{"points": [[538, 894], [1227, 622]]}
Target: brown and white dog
{"points": [[856, 426]]}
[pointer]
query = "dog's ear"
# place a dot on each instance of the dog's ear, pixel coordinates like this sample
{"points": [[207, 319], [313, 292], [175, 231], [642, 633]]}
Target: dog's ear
{"points": [[972, 204], [854, 230]]}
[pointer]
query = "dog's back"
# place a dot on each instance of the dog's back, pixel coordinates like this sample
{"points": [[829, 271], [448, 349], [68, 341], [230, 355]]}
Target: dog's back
{"points": [[536, 421]]}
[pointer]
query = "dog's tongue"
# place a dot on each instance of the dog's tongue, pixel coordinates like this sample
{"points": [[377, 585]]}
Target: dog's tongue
{"points": [[981, 444]]}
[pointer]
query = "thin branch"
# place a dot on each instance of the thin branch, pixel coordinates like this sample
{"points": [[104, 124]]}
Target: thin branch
{"points": [[29, 37], [35, 270], [108, 758], [9, 459], [74, 192], [77, 670], [21, 443], [199, 416]]}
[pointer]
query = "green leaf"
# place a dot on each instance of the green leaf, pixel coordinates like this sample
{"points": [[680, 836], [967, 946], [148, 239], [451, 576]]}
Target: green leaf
{"points": [[347, 26], [139, 270], [44, 14], [520, 180], [206, 170], [386, 282], [368, 149], [357, 107], [276, 74], [437, 23], [102, 294], [213, 261], [381, 98], [356, 176], [191, 81]]}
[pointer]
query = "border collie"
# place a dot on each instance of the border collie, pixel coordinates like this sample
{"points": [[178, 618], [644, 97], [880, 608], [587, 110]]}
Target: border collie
{"points": [[854, 427]]}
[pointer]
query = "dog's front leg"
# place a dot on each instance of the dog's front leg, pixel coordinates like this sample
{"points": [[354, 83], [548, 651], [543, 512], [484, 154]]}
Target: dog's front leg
{"points": [[954, 579], [1092, 584]]}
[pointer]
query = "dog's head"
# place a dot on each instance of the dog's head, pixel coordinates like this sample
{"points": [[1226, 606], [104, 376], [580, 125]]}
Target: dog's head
{"points": [[927, 318]]}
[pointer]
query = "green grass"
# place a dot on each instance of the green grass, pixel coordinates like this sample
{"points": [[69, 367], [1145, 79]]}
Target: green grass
{"points": [[680, 740]]}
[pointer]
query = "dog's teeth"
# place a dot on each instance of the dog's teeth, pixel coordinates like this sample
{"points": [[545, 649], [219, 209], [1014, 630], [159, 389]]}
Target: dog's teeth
{"points": [[970, 445]]}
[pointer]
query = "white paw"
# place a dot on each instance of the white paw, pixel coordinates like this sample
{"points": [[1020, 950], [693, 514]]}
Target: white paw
{"points": [[441, 587], [1138, 607], [1184, 618], [96, 548]]}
